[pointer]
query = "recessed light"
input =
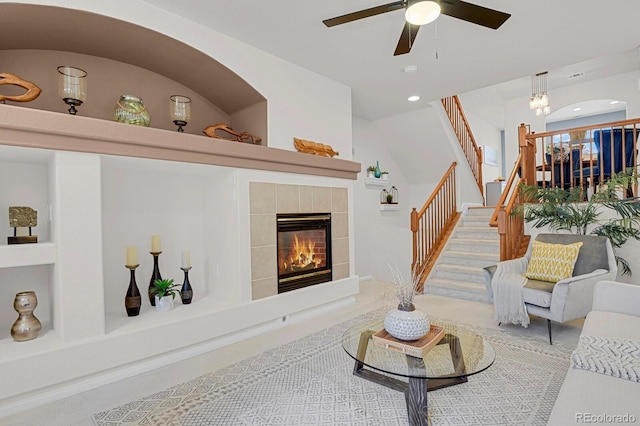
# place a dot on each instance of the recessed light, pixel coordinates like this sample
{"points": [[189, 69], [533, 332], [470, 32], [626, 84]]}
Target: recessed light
{"points": [[413, 98], [577, 109]]}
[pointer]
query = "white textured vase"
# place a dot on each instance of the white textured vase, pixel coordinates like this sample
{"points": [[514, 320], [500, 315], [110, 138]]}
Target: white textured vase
{"points": [[164, 304], [406, 325]]}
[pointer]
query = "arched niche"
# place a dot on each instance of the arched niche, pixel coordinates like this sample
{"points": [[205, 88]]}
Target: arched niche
{"points": [[123, 58]]}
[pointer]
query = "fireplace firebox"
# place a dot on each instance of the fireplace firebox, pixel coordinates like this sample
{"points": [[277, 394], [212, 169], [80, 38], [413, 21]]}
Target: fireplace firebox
{"points": [[304, 250]]}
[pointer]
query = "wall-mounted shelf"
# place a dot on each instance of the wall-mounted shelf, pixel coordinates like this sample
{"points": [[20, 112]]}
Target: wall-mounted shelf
{"points": [[12, 256], [376, 181], [389, 206]]}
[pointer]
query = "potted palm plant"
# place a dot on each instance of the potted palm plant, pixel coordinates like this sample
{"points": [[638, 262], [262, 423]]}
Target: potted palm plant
{"points": [[165, 292]]}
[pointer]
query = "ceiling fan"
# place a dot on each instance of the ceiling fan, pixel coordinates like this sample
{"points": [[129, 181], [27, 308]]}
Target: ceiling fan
{"points": [[421, 12]]}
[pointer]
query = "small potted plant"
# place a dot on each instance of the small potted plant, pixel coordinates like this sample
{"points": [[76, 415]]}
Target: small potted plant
{"points": [[389, 198], [164, 292], [384, 175], [370, 171]]}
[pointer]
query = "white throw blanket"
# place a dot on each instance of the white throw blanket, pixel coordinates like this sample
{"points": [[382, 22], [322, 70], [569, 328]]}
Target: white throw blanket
{"points": [[615, 357], [507, 283]]}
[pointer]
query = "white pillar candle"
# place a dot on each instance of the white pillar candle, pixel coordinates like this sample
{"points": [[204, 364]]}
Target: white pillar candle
{"points": [[132, 256], [186, 259], [155, 244]]}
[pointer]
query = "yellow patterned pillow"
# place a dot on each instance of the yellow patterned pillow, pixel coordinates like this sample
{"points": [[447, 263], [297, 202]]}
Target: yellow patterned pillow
{"points": [[552, 262]]}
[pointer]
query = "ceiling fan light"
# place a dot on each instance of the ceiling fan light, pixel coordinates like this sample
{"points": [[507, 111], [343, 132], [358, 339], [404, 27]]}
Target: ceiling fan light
{"points": [[422, 12]]}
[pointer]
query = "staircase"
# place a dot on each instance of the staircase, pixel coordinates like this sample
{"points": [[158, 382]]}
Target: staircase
{"points": [[458, 271]]}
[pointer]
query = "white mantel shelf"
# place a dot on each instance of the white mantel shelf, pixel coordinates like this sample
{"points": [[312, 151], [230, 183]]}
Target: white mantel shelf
{"points": [[34, 128]]}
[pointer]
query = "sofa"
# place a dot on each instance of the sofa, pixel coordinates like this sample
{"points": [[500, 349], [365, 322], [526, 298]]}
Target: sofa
{"points": [[590, 397]]}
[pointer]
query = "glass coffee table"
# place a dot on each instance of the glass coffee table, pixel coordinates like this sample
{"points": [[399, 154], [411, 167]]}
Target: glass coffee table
{"points": [[460, 354]]}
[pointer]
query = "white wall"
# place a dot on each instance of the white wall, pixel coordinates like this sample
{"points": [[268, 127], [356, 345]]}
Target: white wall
{"points": [[486, 135], [300, 102], [381, 237]]}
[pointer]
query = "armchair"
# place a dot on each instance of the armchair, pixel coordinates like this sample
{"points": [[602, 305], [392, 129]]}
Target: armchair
{"points": [[568, 299]]}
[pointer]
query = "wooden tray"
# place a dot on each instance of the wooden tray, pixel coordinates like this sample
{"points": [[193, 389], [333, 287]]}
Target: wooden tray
{"points": [[417, 348]]}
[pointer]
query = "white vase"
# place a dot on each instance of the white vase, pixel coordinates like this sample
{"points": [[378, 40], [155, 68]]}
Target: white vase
{"points": [[406, 325], [164, 304]]}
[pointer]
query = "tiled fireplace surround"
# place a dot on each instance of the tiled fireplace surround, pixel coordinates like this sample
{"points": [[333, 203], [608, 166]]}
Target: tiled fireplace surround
{"points": [[268, 199]]}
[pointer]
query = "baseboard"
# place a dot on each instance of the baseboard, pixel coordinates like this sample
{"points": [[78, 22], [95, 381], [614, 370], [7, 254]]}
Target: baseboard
{"points": [[25, 402]]}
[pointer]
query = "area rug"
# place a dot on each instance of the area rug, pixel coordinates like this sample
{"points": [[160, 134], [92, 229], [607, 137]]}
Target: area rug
{"points": [[310, 382]]}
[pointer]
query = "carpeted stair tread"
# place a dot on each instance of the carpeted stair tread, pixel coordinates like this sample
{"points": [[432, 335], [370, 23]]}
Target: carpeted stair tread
{"points": [[475, 232], [488, 256], [457, 289], [460, 285], [460, 273], [469, 258]]}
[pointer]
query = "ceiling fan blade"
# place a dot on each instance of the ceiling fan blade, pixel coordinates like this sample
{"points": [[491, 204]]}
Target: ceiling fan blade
{"points": [[364, 13], [473, 13], [407, 38]]}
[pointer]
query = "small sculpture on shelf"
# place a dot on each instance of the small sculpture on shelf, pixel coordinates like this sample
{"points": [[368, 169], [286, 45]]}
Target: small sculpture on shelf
{"points": [[22, 217], [224, 131], [32, 92], [315, 148]]}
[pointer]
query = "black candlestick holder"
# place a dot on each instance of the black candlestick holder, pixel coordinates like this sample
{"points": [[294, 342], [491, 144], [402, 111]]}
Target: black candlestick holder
{"points": [[154, 276], [133, 299], [186, 292], [180, 124], [73, 103]]}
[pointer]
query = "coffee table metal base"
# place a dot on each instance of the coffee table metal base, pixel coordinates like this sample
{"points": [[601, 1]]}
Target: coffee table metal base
{"points": [[416, 389]]}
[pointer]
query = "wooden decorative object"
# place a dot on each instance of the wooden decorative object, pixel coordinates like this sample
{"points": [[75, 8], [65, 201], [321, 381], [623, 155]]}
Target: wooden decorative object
{"points": [[417, 348], [315, 148], [223, 131], [32, 92]]}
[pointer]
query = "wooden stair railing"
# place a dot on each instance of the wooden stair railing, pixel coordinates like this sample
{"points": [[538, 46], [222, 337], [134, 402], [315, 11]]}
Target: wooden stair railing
{"points": [[432, 225], [461, 128]]}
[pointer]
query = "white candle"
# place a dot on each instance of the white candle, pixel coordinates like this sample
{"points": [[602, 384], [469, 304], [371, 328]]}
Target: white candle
{"points": [[186, 259], [155, 244], [132, 256]]}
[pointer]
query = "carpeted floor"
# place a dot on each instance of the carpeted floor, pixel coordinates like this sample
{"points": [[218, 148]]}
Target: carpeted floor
{"points": [[309, 382]]}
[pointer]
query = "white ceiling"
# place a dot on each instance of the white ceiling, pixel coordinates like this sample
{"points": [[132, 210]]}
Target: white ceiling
{"points": [[560, 36]]}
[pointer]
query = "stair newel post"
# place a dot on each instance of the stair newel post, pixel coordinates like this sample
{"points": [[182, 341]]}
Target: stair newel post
{"points": [[502, 231]]}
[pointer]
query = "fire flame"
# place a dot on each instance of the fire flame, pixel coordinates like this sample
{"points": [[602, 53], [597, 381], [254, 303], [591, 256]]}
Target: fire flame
{"points": [[302, 255]]}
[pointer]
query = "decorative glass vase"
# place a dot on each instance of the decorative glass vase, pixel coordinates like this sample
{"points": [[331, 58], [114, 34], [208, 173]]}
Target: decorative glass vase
{"points": [[377, 171], [27, 326], [406, 323], [131, 110]]}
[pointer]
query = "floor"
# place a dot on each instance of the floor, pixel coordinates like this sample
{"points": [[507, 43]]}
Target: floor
{"points": [[78, 409]]}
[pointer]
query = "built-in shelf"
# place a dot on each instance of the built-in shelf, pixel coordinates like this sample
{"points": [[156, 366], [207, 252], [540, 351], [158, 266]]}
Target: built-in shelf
{"points": [[18, 255], [395, 206], [377, 181]]}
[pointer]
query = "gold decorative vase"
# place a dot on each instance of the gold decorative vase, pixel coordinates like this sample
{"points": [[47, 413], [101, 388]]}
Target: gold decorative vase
{"points": [[27, 325]]}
